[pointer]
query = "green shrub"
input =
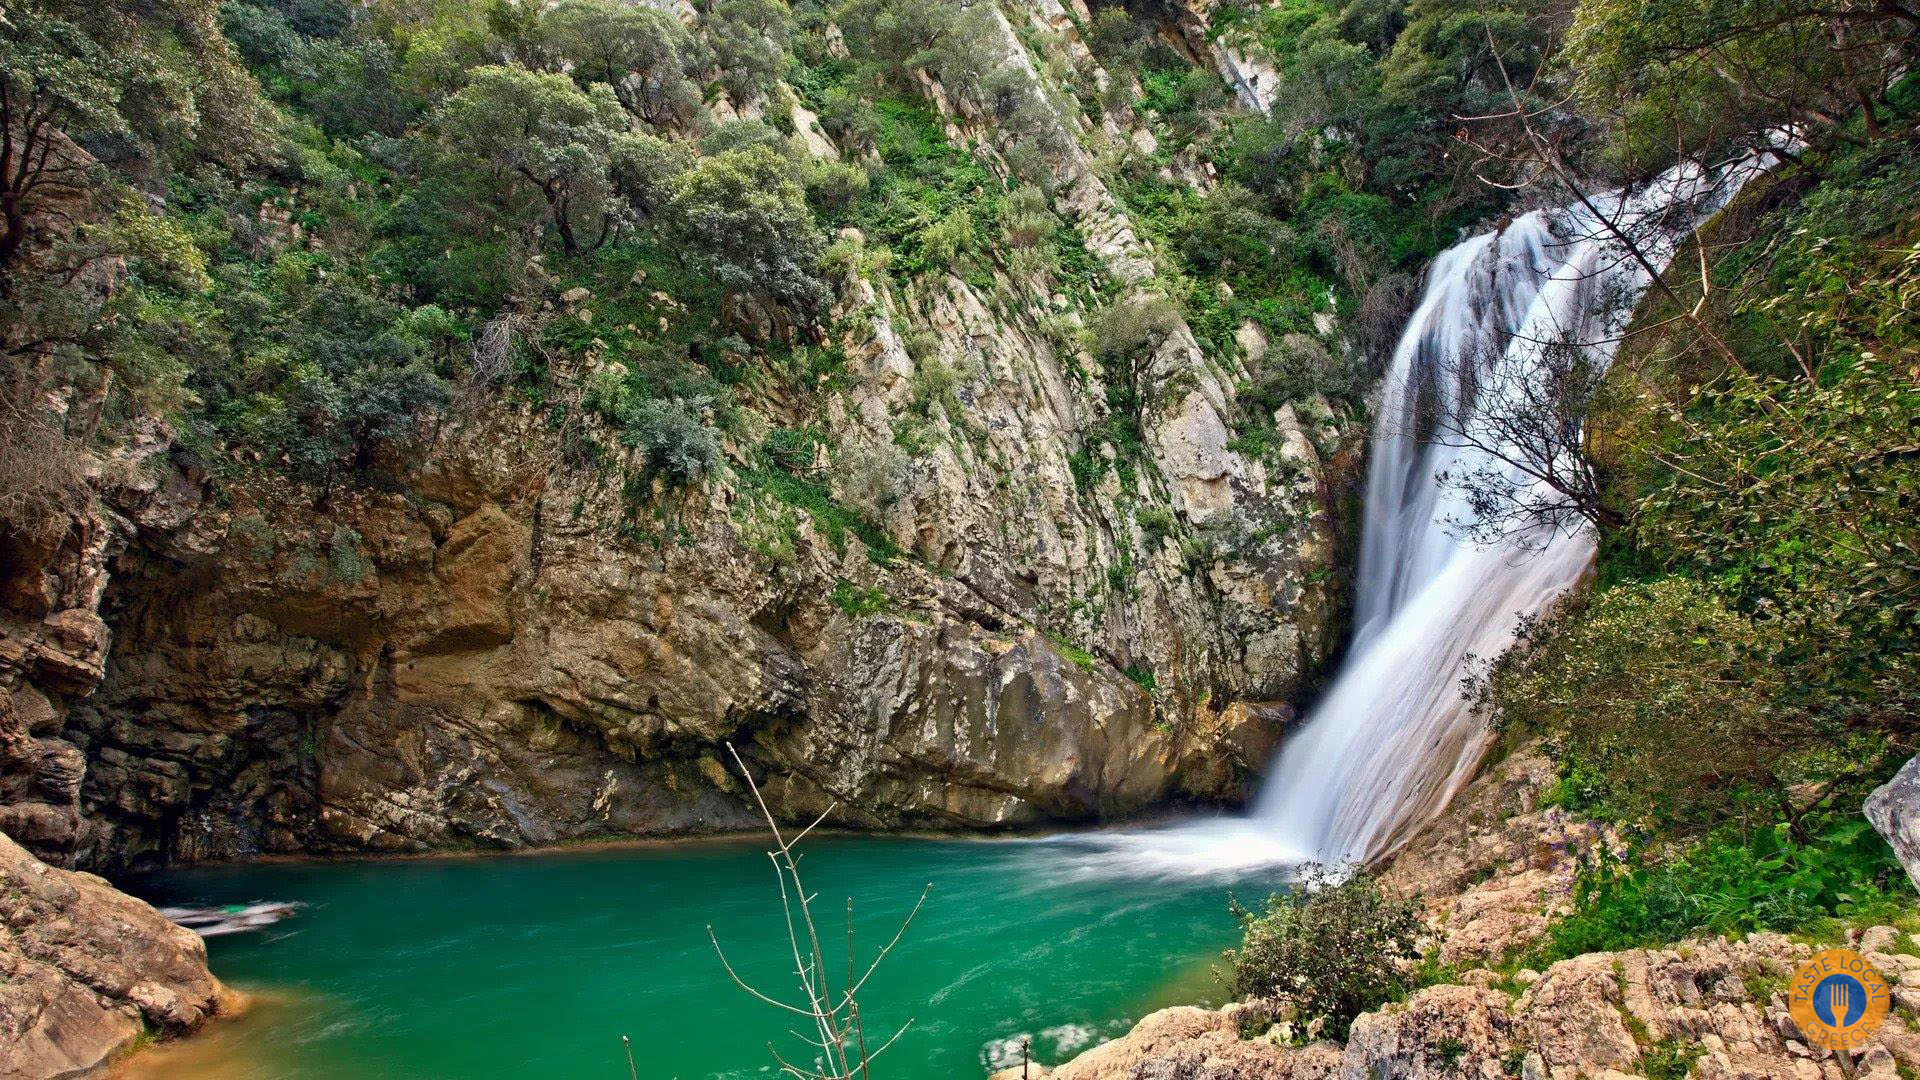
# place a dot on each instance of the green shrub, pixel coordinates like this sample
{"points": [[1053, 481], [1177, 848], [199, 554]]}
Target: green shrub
{"points": [[830, 516], [678, 446], [1669, 1059], [1730, 883], [792, 449], [1125, 329], [1297, 367], [1656, 699], [346, 564], [1333, 947], [1156, 522], [858, 600]]}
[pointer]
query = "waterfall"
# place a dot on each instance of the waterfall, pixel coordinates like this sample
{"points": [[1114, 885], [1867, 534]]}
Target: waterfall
{"points": [[1394, 738]]}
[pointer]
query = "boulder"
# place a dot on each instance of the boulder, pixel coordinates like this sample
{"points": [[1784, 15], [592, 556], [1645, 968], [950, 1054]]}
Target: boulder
{"points": [[1894, 809], [86, 970]]}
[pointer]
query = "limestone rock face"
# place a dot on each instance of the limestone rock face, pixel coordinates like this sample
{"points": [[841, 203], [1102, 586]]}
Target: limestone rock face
{"points": [[501, 673], [1894, 809], [86, 969], [1495, 867], [1071, 592]]}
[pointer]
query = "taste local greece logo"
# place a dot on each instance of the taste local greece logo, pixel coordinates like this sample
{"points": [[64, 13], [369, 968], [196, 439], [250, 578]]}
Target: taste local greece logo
{"points": [[1838, 1000]]}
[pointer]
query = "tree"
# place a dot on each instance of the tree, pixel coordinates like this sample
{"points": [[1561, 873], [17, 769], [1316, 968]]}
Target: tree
{"points": [[1227, 232], [742, 217], [643, 53], [82, 81], [541, 146], [898, 38], [643, 169], [327, 374], [1701, 76], [1529, 476], [749, 44]]}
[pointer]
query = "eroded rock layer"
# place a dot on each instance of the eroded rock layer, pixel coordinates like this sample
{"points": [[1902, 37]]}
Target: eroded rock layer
{"points": [[86, 971]]}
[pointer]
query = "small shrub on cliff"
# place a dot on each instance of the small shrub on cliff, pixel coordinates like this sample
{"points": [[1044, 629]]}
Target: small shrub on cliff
{"points": [[1334, 948], [1130, 327], [677, 444]]}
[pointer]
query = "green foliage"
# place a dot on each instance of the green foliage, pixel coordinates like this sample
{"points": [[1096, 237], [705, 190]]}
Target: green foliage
{"points": [[1333, 947], [742, 217], [1662, 697], [1732, 882], [833, 518], [1297, 367], [1156, 523], [1129, 328], [1699, 76], [314, 370], [1669, 1059], [859, 601], [644, 54], [535, 146], [749, 40], [1078, 656], [926, 204], [678, 446], [153, 85], [345, 563]]}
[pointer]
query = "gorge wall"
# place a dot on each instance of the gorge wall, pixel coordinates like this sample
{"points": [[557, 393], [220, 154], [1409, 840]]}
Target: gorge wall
{"points": [[490, 646]]}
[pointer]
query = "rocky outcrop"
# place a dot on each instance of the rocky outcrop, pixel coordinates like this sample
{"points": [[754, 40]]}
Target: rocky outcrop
{"points": [[1492, 871], [87, 971], [1496, 866], [1715, 1008], [1894, 809]]}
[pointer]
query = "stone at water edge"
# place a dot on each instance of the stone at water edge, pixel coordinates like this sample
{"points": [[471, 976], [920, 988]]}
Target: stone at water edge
{"points": [[86, 969], [1894, 809]]}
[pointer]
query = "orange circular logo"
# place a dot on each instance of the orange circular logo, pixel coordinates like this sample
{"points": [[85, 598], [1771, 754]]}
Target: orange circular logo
{"points": [[1838, 1000]]}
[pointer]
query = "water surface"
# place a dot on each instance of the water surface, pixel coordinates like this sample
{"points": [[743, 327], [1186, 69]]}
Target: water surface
{"points": [[535, 965]]}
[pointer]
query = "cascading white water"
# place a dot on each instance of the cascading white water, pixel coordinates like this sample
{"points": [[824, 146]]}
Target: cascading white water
{"points": [[1394, 737]]}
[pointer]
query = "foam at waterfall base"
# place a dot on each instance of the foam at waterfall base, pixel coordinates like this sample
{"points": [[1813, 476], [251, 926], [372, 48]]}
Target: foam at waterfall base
{"points": [[1224, 847]]}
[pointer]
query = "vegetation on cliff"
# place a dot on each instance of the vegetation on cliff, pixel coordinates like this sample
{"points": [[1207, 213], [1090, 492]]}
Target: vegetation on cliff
{"points": [[302, 226], [1740, 673]]}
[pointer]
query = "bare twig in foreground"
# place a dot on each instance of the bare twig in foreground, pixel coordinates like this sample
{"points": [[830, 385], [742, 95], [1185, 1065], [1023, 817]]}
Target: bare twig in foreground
{"points": [[838, 1036]]}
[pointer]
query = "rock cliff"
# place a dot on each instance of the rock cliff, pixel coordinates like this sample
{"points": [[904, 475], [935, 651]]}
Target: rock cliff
{"points": [[86, 971], [975, 613]]}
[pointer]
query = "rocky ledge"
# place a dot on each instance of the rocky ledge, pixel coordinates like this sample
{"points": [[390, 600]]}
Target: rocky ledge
{"points": [[1493, 870], [1716, 1006], [86, 971]]}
